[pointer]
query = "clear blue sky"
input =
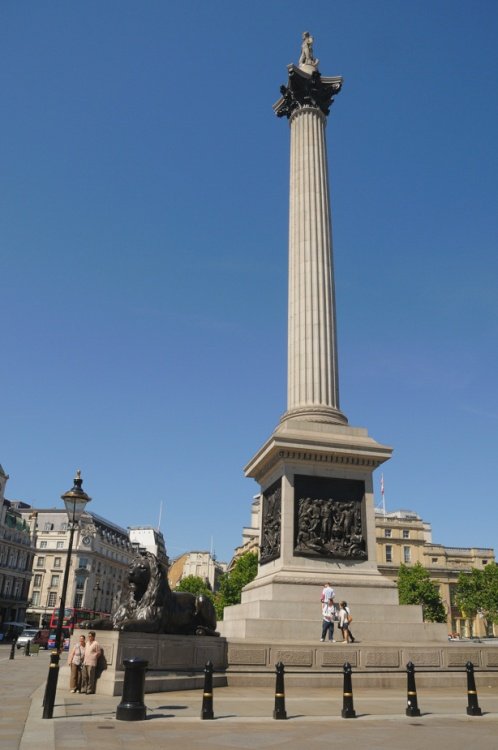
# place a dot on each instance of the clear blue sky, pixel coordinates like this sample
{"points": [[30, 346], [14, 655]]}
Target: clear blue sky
{"points": [[143, 231]]}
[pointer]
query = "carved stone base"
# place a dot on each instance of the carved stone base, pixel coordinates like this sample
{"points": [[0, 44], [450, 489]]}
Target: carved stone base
{"points": [[175, 662], [313, 664]]}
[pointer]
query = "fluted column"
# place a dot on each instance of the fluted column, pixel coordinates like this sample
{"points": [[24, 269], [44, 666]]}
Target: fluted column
{"points": [[312, 375]]}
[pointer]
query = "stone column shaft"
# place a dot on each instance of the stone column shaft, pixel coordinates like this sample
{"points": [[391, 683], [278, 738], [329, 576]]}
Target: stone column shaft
{"points": [[313, 388]]}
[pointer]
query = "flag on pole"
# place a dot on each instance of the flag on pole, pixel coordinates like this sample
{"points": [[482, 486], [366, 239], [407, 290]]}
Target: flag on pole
{"points": [[382, 485]]}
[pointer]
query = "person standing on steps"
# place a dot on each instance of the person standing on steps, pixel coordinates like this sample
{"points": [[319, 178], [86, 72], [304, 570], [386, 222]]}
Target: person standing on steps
{"points": [[327, 593], [344, 622], [328, 618]]}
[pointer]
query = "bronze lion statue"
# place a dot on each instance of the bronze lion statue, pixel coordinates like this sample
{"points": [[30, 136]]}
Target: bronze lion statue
{"points": [[149, 605]]}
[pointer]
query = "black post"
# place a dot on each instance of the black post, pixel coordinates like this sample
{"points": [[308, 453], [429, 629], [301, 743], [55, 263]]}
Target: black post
{"points": [[51, 686], [348, 711], [13, 649], [132, 706], [53, 671], [27, 648], [279, 710], [412, 708], [472, 702], [207, 695]]}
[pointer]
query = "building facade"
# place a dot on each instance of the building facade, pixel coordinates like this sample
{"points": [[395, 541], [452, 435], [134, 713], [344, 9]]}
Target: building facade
{"points": [[151, 539], [403, 537], [16, 560], [99, 563], [200, 564]]}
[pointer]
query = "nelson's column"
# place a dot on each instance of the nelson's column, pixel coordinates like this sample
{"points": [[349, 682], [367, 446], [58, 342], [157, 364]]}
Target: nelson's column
{"points": [[317, 518]]}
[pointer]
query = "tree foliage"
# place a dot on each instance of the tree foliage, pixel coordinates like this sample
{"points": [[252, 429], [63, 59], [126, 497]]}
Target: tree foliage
{"points": [[477, 592], [232, 583], [415, 587], [196, 585]]}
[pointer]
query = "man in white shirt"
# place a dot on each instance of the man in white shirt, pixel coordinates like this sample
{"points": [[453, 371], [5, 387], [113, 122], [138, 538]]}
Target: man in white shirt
{"points": [[328, 617], [327, 593]]}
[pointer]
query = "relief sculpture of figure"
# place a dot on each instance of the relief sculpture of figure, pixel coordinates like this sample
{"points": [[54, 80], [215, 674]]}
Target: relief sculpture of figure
{"points": [[307, 51]]}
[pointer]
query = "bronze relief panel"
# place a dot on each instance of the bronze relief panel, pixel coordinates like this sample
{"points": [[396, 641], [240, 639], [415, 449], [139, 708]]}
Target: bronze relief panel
{"points": [[329, 518]]}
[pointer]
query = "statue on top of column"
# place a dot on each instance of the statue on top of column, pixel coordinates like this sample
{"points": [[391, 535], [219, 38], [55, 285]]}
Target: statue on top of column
{"points": [[307, 60]]}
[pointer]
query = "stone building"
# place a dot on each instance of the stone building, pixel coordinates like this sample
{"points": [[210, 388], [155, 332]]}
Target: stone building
{"points": [[201, 564], [250, 534], [99, 562], [16, 559], [403, 537], [150, 539]]}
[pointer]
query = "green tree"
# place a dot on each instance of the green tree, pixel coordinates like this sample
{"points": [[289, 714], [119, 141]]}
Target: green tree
{"points": [[416, 587], [232, 583], [196, 585], [477, 593]]}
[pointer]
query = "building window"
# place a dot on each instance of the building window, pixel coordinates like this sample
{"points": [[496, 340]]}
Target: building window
{"points": [[40, 563], [57, 562], [52, 598], [387, 533], [49, 526], [389, 553], [54, 581], [37, 581], [43, 545], [60, 545], [453, 592], [78, 600], [35, 599], [484, 562], [80, 582], [434, 559], [63, 526], [406, 533], [407, 554], [83, 562]]}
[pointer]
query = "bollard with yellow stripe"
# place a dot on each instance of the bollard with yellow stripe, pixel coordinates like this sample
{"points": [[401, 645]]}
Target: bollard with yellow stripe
{"points": [[412, 708], [207, 695], [279, 710], [348, 711], [472, 701]]}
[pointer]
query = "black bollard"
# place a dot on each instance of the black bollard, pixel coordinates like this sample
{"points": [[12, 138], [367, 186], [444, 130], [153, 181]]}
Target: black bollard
{"points": [[207, 695], [13, 649], [51, 686], [26, 648], [348, 711], [472, 702], [412, 708], [279, 710], [132, 706]]}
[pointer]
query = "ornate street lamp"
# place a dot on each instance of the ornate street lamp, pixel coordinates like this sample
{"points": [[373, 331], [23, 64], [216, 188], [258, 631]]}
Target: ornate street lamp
{"points": [[75, 501]]}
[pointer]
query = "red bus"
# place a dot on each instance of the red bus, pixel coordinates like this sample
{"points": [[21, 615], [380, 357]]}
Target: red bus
{"points": [[74, 617]]}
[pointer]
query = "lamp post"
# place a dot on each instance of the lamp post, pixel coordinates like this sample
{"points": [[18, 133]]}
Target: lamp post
{"points": [[96, 592], [75, 501]]}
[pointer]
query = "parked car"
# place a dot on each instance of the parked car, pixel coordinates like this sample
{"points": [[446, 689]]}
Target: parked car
{"points": [[66, 636], [39, 637]]}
